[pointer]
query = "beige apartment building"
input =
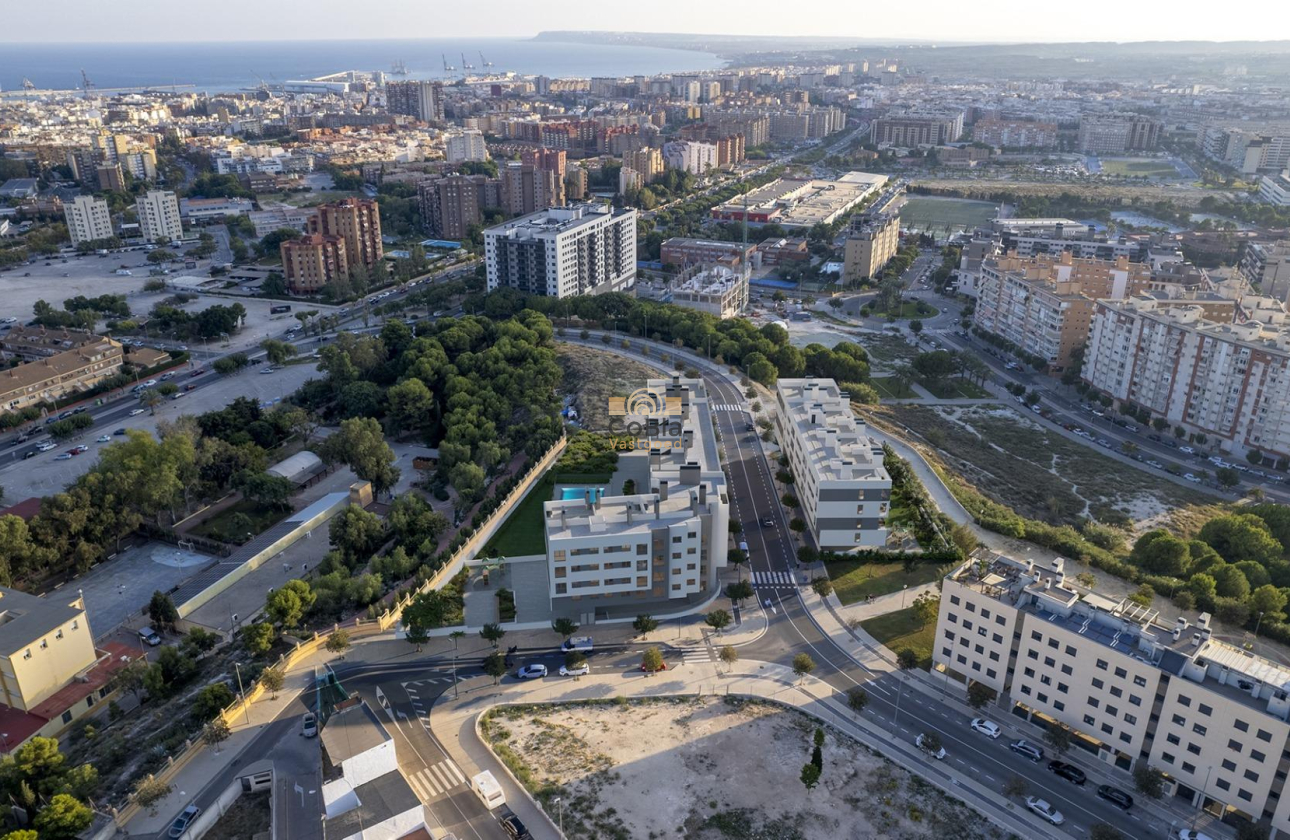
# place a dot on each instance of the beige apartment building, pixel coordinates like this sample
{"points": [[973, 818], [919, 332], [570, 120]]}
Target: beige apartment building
{"points": [[1228, 381], [358, 222], [88, 219], [873, 241], [839, 474], [312, 261], [52, 377], [44, 644], [1044, 304], [159, 219], [647, 162], [1131, 688]]}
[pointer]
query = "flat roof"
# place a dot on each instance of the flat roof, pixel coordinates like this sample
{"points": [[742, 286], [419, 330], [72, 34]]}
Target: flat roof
{"points": [[351, 732], [25, 618], [381, 799]]}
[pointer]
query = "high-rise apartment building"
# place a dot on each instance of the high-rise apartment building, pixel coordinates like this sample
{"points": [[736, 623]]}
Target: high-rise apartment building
{"points": [[575, 184], [1134, 691], [1015, 134], [451, 205], [1045, 303], [312, 261], [88, 219], [158, 212], [420, 100], [916, 129], [464, 146], [1227, 381], [838, 470], [358, 222], [110, 177], [666, 542], [647, 162], [1118, 133], [871, 242], [549, 160], [527, 188], [564, 251], [690, 155]]}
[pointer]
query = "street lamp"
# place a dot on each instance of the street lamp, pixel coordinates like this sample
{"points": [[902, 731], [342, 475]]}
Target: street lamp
{"points": [[903, 589], [560, 804]]}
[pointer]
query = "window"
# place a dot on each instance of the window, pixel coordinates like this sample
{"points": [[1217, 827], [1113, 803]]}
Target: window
{"points": [[1198, 729], [1251, 775], [949, 634], [1229, 765], [1046, 680], [67, 716], [1112, 710], [1066, 669], [1043, 698], [1135, 700], [1189, 767], [1233, 744], [1088, 719], [1052, 643], [1036, 636], [996, 638], [1030, 654], [1244, 794], [990, 672], [1070, 651], [1025, 689], [994, 656], [1121, 673], [1193, 749], [1139, 681], [1131, 720], [1101, 664], [1167, 758], [1059, 706], [998, 619], [1257, 756], [1223, 784], [1179, 720], [1098, 683], [1241, 726], [985, 613], [954, 599], [1124, 736], [1205, 710], [1030, 672], [1093, 703], [1184, 700], [1264, 735], [1116, 691], [1062, 688], [1173, 739], [44, 643], [1050, 662], [946, 652], [1106, 727], [971, 607]]}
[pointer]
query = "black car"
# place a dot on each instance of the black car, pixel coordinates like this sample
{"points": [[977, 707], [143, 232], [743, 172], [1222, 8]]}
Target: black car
{"points": [[515, 829], [1067, 771], [1115, 796], [119, 432]]}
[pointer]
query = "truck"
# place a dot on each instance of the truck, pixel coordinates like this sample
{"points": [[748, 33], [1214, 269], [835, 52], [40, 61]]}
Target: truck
{"points": [[488, 790]]}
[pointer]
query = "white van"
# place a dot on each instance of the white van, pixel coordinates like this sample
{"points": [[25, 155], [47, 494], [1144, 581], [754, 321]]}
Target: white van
{"points": [[582, 643], [488, 790]]}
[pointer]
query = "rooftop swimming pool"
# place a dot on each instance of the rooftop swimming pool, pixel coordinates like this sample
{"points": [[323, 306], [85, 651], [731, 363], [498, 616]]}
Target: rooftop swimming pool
{"points": [[567, 493]]}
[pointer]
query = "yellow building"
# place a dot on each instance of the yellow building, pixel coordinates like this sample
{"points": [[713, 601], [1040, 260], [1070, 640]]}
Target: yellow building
{"points": [[57, 376], [44, 644], [870, 244]]}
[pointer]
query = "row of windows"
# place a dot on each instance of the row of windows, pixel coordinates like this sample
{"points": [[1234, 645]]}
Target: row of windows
{"points": [[1220, 783]]}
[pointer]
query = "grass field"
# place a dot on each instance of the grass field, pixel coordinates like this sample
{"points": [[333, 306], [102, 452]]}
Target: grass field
{"points": [[1137, 167], [855, 581], [953, 389], [888, 388], [522, 534], [900, 629], [218, 526], [924, 213]]}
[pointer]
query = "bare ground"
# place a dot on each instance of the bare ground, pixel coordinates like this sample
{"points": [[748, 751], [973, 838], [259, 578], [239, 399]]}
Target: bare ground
{"points": [[714, 769], [592, 377]]}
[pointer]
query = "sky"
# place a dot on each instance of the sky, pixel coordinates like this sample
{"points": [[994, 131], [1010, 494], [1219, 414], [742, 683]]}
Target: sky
{"points": [[929, 20]]}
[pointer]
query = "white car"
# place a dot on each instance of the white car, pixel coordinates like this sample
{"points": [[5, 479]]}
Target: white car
{"points": [[45, 447], [1186, 450], [150, 383], [103, 439], [1188, 834], [939, 753], [986, 727], [1193, 479], [1045, 810], [531, 672], [580, 671], [136, 412]]}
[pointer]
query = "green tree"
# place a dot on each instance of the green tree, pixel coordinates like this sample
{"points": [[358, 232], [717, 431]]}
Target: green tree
{"points": [[361, 444], [356, 534], [288, 604], [338, 641], [739, 591], [564, 627], [652, 661], [212, 700], [1269, 600], [278, 352], [64, 817], [803, 665], [273, 679], [906, 658], [1148, 781], [718, 620], [926, 606], [810, 775], [728, 655], [645, 624], [822, 586], [1238, 537], [216, 732], [492, 633], [979, 695], [1058, 737], [259, 637], [162, 612], [495, 666], [857, 699]]}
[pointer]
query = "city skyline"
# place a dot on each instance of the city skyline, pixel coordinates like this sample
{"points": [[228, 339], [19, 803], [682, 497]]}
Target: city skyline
{"points": [[86, 22]]}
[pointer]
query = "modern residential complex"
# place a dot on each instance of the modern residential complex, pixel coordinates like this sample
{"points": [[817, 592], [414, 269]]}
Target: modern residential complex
{"points": [[159, 219], [358, 222], [838, 470], [1268, 265], [60, 374], [1044, 304], [690, 156], [1252, 149], [31, 343], [1275, 189], [1133, 690], [464, 146], [1118, 133], [420, 100], [668, 540], [716, 290], [872, 240], [647, 163], [312, 261], [564, 251], [451, 205], [1228, 381], [1015, 134], [88, 219], [917, 129]]}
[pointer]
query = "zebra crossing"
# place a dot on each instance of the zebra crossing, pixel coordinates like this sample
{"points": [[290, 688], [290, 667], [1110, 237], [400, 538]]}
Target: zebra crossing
{"points": [[727, 407], [428, 681], [435, 780], [694, 654], [771, 580]]}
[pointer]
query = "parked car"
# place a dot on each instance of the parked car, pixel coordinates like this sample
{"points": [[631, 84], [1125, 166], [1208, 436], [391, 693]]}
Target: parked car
{"points": [[986, 727], [103, 439], [532, 672], [1115, 796], [309, 726], [45, 446], [514, 828], [136, 412], [1027, 749], [119, 432], [1187, 450], [1069, 772], [65, 456], [582, 643], [150, 383], [1188, 834], [77, 450], [580, 671], [919, 742], [1045, 810], [1193, 479], [149, 636], [183, 821]]}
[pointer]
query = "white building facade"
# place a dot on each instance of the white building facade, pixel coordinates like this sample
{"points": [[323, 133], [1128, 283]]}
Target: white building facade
{"points": [[464, 146], [564, 251], [158, 212], [88, 219]]}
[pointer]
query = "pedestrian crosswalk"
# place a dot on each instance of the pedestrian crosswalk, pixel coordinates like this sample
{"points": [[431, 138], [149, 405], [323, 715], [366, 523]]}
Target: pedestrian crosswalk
{"points": [[769, 580], [430, 782], [694, 654], [727, 407], [429, 681]]}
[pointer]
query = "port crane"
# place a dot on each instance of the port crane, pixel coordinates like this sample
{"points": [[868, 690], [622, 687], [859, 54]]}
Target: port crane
{"points": [[447, 68], [483, 61], [86, 83], [28, 85], [466, 65]]}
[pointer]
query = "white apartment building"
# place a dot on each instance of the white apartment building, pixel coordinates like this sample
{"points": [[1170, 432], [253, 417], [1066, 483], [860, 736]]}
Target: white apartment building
{"points": [[463, 146], [838, 471], [1133, 690], [564, 251], [88, 219], [158, 212], [715, 290], [691, 155], [1229, 381], [666, 541], [1275, 189]]}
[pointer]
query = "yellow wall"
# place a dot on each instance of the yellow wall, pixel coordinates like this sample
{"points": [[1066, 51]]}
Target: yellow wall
{"points": [[26, 682]]}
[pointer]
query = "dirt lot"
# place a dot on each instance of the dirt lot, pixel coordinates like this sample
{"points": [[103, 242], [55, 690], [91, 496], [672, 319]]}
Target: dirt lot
{"points": [[593, 376], [246, 819], [715, 769], [1042, 475]]}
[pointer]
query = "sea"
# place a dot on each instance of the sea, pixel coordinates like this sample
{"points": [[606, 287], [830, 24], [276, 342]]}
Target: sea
{"points": [[228, 66]]}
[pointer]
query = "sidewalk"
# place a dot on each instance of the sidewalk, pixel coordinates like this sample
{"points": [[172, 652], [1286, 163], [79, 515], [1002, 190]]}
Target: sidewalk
{"points": [[454, 724], [865, 650], [208, 764]]}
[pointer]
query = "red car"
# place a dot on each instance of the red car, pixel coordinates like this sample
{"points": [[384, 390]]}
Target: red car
{"points": [[198, 372]]}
